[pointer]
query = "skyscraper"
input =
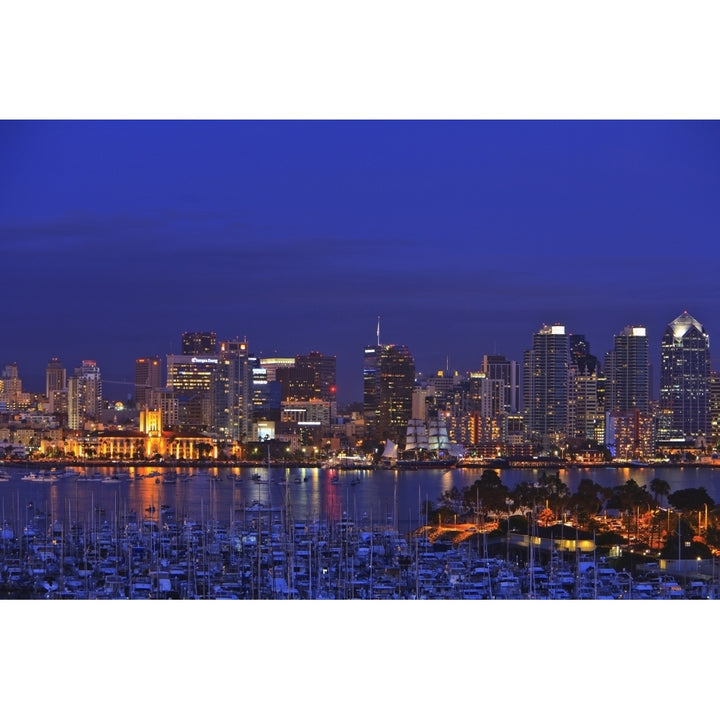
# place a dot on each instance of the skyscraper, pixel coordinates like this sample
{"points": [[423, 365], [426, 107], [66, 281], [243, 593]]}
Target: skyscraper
{"points": [[498, 367], [199, 343], [192, 379], [233, 393], [148, 376], [685, 377], [546, 386], [627, 372], [84, 395], [55, 381], [371, 395], [389, 379]]}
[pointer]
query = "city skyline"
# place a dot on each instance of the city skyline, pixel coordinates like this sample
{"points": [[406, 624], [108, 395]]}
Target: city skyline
{"points": [[463, 236]]}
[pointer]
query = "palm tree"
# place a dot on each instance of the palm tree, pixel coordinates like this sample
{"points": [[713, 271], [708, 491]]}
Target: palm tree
{"points": [[658, 488]]}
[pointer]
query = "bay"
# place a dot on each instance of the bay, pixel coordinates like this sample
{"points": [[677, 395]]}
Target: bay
{"points": [[379, 496]]}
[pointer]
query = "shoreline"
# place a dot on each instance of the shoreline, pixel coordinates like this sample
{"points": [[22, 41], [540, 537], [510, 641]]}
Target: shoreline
{"points": [[490, 465]]}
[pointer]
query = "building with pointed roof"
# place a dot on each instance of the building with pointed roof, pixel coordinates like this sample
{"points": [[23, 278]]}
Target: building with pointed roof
{"points": [[685, 379]]}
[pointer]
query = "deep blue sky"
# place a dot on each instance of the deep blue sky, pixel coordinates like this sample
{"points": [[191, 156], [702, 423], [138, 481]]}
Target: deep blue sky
{"points": [[464, 236]]}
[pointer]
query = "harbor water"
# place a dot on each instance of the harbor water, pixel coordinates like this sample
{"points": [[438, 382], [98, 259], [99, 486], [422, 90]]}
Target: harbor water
{"points": [[378, 496]]}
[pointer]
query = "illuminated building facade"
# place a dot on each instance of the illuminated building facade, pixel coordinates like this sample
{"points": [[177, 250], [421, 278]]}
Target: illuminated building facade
{"points": [[232, 401], [371, 394], [630, 435], [585, 413], [148, 376], [627, 372], [388, 382], [192, 378], [151, 441], [165, 400], [84, 395], [685, 377], [498, 367], [546, 385], [310, 377], [11, 393], [55, 384], [714, 408]]}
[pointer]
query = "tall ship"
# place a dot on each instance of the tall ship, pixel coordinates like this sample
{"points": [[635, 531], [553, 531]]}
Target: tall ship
{"points": [[426, 445]]}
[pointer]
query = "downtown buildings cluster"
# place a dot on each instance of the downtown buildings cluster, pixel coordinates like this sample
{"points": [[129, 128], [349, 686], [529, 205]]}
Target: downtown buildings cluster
{"points": [[217, 400]]}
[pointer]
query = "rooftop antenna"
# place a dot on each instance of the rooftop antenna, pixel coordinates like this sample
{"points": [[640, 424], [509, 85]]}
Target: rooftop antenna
{"points": [[378, 331]]}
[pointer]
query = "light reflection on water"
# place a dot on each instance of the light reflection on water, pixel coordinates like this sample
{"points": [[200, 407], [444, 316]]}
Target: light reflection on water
{"points": [[377, 496]]}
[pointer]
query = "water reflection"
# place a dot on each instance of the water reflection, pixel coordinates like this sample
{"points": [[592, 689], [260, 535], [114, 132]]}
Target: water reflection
{"points": [[220, 494]]}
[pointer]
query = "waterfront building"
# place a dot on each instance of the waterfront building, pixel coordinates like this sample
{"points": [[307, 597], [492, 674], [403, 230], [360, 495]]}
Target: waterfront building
{"points": [[630, 435], [148, 376], [546, 386], [151, 440], [55, 383], [685, 378], [85, 395]]}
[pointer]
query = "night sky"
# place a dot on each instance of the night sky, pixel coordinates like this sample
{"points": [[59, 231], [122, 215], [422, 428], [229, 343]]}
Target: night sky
{"points": [[464, 236]]}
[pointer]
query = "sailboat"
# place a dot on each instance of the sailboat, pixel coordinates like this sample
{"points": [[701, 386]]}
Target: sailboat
{"points": [[390, 454]]}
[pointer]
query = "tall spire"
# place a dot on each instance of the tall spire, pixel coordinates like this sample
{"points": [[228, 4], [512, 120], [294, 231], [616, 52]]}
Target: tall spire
{"points": [[378, 331]]}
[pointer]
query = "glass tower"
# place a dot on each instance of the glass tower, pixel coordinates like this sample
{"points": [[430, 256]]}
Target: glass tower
{"points": [[546, 386], [685, 377]]}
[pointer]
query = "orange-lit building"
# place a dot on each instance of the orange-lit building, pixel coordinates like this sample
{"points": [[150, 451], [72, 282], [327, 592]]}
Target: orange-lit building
{"points": [[149, 442]]}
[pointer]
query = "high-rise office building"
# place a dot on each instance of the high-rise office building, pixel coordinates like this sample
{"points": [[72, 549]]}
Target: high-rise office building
{"points": [[546, 385], [192, 378], [714, 407], [233, 395], [84, 395], [685, 377], [309, 377], [199, 343], [324, 371], [585, 411], [627, 372], [266, 391], [55, 382], [498, 367], [148, 377], [371, 396], [388, 382]]}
